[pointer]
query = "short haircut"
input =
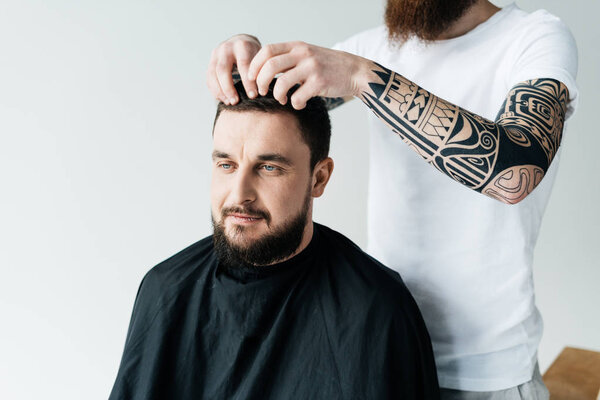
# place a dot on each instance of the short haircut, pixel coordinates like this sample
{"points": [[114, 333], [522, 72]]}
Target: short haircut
{"points": [[313, 120]]}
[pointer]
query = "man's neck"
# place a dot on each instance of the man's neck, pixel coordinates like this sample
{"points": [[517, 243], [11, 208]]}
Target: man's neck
{"points": [[479, 12]]}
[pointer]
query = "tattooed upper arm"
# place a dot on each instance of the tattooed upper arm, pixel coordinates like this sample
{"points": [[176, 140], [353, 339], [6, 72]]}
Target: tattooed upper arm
{"points": [[531, 118]]}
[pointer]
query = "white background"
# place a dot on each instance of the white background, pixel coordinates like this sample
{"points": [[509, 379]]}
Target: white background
{"points": [[105, 125]]}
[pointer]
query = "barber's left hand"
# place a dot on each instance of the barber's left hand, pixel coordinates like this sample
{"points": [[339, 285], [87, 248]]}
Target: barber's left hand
{"points": [[318, 70]]}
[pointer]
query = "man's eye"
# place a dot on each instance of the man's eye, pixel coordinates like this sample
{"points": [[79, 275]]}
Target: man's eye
{"points": [[225, 166], [269, 168]]}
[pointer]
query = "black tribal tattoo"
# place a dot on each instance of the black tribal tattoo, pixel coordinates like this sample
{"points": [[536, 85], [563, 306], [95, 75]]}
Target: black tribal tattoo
{"points": [[505, 159]]}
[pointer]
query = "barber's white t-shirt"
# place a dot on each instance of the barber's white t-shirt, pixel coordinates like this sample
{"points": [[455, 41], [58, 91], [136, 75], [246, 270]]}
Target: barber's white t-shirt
{"points": [[466, 258]]}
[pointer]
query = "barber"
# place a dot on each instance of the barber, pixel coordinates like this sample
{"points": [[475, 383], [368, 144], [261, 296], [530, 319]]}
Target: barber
{"points": [[480, 94]]}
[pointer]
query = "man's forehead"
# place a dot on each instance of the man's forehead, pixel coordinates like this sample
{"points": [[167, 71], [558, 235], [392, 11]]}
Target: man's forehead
{"points": [[264, 132]]}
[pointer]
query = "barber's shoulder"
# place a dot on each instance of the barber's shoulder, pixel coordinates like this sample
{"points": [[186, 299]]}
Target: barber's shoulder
{"points": [[543, 15], [364, 43], [544, 47], [540, 23]]}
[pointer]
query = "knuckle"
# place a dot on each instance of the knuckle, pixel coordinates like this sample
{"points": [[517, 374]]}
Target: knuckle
{"points": [[246, 46], [268, 50], [225, 48], [221, 69], [305, 49], [244, 58], [220, 57], [239, 46], [270, 65], [312, 63], [318, 81], [299, 48]]}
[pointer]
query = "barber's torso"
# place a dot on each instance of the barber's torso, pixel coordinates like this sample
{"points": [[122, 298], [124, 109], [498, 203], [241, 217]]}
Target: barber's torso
{"points": [[466, 258]]}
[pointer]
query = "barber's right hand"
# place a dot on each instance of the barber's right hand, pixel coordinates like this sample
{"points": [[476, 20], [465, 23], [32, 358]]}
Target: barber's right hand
{"points": [[238, 51]]}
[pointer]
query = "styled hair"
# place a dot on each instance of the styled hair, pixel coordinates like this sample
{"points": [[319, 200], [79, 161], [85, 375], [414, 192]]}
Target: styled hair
{"points": [[313, 120]]}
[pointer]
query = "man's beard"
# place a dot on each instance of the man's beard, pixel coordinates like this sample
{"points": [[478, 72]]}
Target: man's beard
{"points": [[425, 19], [268, 249]]}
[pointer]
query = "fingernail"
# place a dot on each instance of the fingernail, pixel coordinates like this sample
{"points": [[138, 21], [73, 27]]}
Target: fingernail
{"points": [[251, 94], [232, 100]]}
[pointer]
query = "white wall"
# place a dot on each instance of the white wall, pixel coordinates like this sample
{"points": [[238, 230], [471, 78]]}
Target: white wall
{"points": [[104, 166]]}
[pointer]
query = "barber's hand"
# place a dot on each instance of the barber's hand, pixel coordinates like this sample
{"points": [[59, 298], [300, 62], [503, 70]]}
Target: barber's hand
{"points": [[318, 70], [237, 51]]}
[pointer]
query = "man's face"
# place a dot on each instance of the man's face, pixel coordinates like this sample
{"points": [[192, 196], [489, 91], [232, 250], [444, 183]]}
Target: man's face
{"points": [[425, 19], [261, 184]]}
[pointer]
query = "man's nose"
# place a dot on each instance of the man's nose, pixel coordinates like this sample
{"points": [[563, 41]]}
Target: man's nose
{"points": [[243, 190]]}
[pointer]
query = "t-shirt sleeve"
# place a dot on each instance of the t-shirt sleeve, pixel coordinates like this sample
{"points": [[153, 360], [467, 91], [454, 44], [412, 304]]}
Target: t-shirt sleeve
{"points": [[349, 45], [365, 44], [547, 49]]}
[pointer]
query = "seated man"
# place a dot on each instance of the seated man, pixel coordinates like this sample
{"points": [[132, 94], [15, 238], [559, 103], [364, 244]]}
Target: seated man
{"points": [[272, 305]]}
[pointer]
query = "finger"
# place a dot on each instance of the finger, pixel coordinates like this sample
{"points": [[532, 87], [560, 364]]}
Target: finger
{"points": [[212, 81], [224, 68], [274, 66], [249, 86], [267, 52], [213, 85], [285, 82], [303, 94], [243, 55]]}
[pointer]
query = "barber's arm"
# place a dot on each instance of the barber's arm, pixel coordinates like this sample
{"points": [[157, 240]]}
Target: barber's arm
{"points": [[504, 159]]}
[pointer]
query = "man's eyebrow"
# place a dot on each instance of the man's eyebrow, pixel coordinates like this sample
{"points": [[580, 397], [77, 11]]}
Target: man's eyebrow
{"points": [[275, 157], [219, 154]]}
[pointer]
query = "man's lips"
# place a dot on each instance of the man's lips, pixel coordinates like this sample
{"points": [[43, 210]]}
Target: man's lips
{"points": [[244, 218]]}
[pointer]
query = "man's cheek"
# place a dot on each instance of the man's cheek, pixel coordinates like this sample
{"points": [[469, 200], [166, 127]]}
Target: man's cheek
{"points": [[217, 199]]}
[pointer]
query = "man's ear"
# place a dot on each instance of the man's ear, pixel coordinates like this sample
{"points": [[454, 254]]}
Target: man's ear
{"points": [[321, 174]]}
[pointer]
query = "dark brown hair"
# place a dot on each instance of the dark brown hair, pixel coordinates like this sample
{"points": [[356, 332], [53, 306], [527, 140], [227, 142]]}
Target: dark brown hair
{"points": [[313, 120]]}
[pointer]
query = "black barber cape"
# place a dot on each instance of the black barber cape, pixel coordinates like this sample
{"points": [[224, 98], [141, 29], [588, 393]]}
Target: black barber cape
{"points": [[329, 323]]}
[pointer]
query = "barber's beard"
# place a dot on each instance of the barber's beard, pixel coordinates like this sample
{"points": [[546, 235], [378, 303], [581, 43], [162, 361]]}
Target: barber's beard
{"points": [[425, 19], [270, 248]]}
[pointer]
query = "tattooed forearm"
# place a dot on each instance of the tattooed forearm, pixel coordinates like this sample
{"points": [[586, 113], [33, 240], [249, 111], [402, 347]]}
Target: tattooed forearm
{"points": [[505, 159]]}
